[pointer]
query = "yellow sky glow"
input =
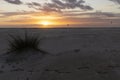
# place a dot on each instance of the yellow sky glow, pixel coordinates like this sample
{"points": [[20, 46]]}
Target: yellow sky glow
{"points": [[46, 23], [45, 13]]}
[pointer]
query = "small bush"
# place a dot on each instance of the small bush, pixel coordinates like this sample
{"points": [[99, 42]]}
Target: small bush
{"points": [[21, 47], [19, 44]]}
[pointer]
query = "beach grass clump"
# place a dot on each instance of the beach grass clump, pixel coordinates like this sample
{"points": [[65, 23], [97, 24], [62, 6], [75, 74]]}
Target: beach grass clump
{"points": [[22, 47], [19, 44]]}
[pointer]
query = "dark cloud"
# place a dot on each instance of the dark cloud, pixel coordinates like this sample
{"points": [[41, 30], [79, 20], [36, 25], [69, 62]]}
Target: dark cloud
{"points": [[116, 1], [55, 5], [98, 14], [17, 2], [9, 14], [34, 5], [59, 5], [71, 4], [105, 14], [22, 20]]}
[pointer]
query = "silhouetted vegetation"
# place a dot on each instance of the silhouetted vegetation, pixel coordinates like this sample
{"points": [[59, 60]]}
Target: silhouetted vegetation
{"points": [[19, 44]]}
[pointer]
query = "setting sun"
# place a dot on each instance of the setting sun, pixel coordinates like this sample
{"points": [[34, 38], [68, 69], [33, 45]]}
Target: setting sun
{"points": [[46, 23]]}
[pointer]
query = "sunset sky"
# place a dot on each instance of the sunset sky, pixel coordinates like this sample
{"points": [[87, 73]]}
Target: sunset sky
{"points": [[60, 13]]}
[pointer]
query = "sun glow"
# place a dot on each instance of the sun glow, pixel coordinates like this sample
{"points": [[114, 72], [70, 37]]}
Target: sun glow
{"points": [[46, 23]]}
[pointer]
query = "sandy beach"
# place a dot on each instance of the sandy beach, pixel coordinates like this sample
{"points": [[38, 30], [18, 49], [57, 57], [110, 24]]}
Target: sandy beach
{"points": [[74, 54]]}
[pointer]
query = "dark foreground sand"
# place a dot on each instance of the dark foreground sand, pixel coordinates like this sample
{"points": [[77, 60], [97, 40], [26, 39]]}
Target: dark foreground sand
{"points": [[76, 54]]}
